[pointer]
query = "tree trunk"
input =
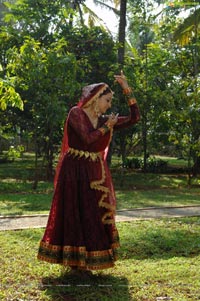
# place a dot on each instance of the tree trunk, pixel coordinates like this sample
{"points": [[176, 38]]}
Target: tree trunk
{"points": [[49, 165], [144, 135], [35, 183], [122, 33], [196, 166], [121, 52], [123, 147]]}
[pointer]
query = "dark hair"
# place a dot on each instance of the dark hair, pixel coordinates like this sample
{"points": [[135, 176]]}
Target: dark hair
{"points": [[106, 91]]}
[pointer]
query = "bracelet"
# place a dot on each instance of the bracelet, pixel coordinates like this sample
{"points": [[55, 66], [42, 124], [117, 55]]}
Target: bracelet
{"points": [[108, 125], [132, 101], [127, 91], [104, 129]]}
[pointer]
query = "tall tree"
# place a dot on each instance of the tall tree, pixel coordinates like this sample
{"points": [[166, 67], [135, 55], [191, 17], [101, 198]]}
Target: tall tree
{"points": [[122, 33], [82, 9], [189, 26], [44, 67], [44, 77]]}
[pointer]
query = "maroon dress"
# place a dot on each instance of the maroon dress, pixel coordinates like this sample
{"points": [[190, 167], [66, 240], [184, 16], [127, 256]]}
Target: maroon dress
{"points": [[81, 228]]}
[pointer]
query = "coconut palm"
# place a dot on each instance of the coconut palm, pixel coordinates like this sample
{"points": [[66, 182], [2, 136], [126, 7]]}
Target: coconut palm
{"points": [[83, 9], [190, 14], [188, 28]]}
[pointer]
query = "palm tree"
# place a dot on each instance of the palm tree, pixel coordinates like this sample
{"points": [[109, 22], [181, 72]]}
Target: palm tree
{"points": [[190, 14], [83, 9], [190, 25], [122, 33], [187, 33]]}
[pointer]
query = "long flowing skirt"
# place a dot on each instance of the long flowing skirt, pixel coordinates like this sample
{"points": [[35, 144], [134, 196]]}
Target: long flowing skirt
{"points": [[77, 233]]}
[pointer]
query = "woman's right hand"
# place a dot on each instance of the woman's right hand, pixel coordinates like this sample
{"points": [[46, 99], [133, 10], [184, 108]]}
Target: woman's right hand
{"points": [[112, 120]]}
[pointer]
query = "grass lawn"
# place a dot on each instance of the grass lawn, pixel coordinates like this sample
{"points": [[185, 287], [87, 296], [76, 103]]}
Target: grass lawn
{"points": [[138, 191], [133, 189], [158, 260]]}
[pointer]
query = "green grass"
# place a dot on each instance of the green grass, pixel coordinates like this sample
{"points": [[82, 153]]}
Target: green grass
{"points": [[173, 161], [133, 189], [18, 204], [127, 199], [19, 198], [157, 258]]}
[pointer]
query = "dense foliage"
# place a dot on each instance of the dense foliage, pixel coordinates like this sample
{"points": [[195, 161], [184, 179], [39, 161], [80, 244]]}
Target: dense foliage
{"points": [[47, 55]]}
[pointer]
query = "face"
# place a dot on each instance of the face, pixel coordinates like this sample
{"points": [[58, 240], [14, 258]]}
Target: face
{"points": [[104, 103]]}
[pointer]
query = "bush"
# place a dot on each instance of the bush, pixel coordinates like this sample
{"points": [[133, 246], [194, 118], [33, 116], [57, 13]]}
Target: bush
{"points": [[12, 154], [156, 165], [135, 163], [153, 164]]}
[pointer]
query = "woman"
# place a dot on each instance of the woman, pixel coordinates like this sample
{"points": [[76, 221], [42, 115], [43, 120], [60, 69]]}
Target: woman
{"points": [[81, 231]]}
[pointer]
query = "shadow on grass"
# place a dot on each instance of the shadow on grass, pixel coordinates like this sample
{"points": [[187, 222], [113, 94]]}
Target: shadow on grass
{"points": [[99, 287]]}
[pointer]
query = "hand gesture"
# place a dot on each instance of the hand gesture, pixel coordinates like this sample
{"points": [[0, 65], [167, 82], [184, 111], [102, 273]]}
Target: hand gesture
{"points": [[121, 79], [112, 119]]}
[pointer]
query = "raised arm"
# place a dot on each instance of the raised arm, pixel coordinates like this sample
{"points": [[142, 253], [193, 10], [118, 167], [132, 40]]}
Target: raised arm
{"points": [[132, 118]]}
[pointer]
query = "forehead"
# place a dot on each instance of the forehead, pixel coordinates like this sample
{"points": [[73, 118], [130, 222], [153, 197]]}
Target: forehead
{"points": [[107, 96]]}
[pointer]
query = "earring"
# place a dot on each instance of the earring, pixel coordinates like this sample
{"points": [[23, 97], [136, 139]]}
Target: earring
{"points": [[96, 109]]}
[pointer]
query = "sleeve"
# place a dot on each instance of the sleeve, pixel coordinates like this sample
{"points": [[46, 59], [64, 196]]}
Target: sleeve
{"points": [[76, 120], [126, 121]]}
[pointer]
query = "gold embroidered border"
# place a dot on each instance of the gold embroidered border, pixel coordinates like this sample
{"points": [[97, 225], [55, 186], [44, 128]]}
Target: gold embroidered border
{"points": [[98, 186], [107, 217], [132, 101], [80, 153], [105, 86], [91, 260]]}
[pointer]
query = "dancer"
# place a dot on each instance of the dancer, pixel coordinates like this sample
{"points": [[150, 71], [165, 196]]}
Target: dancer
{"points": [[81, 231]]}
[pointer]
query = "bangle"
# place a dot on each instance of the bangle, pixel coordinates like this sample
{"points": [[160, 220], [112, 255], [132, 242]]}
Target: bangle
{"points": [[127, 91], [108, 125], [104, 129], [132, 101]]}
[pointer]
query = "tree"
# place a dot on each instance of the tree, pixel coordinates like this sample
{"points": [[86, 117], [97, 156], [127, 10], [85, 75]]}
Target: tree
{"points": [[188, 27], [185, 46], [82, 10], [45, 80], [9, 96], [49, 67]]}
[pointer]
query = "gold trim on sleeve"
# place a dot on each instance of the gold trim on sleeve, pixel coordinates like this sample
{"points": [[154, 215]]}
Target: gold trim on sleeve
{"points": [[132, 101]]}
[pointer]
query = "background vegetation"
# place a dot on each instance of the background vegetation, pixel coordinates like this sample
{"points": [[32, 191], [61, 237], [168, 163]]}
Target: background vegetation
{"points": [[49, 52]]}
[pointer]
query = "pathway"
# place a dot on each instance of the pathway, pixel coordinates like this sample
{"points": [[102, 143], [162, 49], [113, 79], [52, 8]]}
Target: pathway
{"points": [[38, 221]]}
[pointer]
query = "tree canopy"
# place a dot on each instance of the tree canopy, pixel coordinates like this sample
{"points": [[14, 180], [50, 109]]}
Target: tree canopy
{"points": [[48, 53]]}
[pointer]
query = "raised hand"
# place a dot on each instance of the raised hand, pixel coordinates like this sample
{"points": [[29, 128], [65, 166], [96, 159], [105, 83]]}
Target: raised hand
{"points": [[121, 79]]}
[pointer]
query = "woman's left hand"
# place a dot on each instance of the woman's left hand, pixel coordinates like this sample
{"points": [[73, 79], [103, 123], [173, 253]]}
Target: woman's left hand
{"points": [[121, 79]]}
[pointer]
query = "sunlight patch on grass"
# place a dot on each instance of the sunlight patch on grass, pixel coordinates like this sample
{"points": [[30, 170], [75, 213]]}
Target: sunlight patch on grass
{"points": [[157, 198], [12, 204]]}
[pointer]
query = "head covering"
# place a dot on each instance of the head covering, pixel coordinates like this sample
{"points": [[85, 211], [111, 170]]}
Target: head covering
{"points": [[90, 92]]}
